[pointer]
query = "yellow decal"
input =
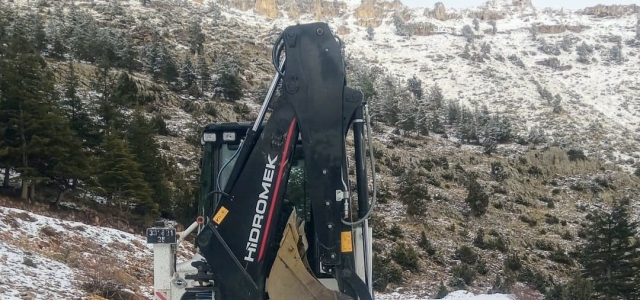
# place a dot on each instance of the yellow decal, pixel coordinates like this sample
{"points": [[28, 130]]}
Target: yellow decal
{"points": [[220, 215], [346, 242]]}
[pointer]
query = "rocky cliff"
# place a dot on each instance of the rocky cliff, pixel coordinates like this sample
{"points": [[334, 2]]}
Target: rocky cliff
{"points": [[292, 8], [611, 10], [371, 12], [439, 12]]}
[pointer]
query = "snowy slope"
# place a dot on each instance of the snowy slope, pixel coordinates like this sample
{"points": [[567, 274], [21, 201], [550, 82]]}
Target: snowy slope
{"points": [[47, 258], [51, 258], [600, 101], [23, 273]]}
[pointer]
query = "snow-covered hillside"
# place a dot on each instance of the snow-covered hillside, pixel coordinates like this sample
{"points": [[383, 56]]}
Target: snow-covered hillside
{"points": [[572, 75], [46, 258], [598, 101]]}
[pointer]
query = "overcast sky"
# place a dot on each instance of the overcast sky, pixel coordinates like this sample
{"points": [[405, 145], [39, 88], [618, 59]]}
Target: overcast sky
{"points": [[569, 4]]}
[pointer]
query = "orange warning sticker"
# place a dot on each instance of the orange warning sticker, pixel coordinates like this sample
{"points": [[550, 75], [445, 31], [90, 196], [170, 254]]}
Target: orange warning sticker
{"points": [[346, 242], [220, 215]]}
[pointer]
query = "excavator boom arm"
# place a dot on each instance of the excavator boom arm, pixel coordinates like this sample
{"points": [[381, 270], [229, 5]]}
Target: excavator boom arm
{"points": [[253, 243], [316, 104]]}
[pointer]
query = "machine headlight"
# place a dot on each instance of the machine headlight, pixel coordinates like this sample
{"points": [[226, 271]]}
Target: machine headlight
{"points": [[209, 137], [229, 136]]}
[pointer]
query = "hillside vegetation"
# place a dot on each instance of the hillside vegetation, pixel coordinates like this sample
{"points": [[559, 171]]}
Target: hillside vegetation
{"points": [[504, 145]]}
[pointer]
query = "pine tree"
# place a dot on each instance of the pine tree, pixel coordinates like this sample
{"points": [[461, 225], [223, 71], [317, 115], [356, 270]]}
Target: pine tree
{"points": [[153, 57], [187, 73], [413, 191], [407, 116], [108, 111], [610, 255], [120, 178], [442, 291], [228, 71], [436, 98], [477, 199], [76, 112], [414, 84], [27, 105], [54, 34], [203, 72], [388, 95], [140, 135], [126, 91], [127, 54], [370, 33], [196, 37], [168, 67]]}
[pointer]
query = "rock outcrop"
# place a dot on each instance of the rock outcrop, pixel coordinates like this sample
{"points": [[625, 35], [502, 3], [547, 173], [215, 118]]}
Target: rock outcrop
{"points": [[498, 9], [611, 10], [439, 12], [267, 8], [293, 8], [371, 12]]}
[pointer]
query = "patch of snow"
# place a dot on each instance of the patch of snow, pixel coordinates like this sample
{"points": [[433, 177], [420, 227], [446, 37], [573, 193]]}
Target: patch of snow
{"points": [[456, 295], [24, 273]]}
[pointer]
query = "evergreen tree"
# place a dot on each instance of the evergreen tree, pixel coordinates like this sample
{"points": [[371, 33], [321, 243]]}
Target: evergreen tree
{"points": [[370, 33], [168, 67], [477, 199], [610, 255], [127, 54], [476, 24], [414, 84], [577, 288], [76, 112], [32, 26], [27, 107], [54, 34], [147, 152], [196, 37], [413, 191], [126, 91], [228, 71], [120, 178], [203, 72], [187, 73], [108, 111], [436, 98], [153, 57], [407, 116], [389, 96], [442, 291]]}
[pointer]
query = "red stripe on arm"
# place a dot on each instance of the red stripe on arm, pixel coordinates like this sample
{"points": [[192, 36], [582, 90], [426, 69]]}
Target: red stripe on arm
{"points": [[277, 188]]}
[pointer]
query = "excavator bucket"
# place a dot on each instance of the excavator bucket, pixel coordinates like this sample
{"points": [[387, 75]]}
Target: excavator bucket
{"points": [[290, 277]]}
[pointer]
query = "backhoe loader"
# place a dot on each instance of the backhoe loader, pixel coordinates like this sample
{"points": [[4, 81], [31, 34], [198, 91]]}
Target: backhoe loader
{"points": [[278, 217]]}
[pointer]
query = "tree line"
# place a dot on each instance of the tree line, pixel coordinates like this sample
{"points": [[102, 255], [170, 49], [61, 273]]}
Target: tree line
{"points": [[415, 110], [65, 126]]}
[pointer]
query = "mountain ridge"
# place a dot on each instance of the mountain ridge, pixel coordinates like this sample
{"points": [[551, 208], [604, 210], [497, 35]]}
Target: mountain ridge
{"points": [[533, 113]]}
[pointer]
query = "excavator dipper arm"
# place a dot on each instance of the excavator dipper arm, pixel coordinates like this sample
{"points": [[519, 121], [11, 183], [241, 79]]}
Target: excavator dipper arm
{"points": [[241, 241]]}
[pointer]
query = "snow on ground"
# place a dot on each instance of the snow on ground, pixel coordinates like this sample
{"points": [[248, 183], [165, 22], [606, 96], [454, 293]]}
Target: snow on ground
{"points": [[457, 295], [27, 274], [51, 258], [48, 258]]}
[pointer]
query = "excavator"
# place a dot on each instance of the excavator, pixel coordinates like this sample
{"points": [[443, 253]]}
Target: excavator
{"points": [[278, 215]]}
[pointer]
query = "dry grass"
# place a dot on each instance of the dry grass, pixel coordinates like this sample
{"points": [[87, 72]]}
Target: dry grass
{"points": [[531, 179]]}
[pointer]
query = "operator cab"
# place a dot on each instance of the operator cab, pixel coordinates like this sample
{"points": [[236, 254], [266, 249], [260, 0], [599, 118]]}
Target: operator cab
{"points": [[221, 142]]}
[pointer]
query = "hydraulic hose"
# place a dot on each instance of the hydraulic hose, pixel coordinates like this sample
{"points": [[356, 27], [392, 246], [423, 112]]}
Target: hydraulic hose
{"points": [[373, 172]]}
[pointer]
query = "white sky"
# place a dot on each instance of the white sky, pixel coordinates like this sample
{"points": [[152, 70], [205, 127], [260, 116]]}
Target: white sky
{"points": [[568, 4]]}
